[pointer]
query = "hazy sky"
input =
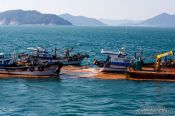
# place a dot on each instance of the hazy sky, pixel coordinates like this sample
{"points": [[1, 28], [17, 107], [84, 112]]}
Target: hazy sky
{"points": [[111, 9]]}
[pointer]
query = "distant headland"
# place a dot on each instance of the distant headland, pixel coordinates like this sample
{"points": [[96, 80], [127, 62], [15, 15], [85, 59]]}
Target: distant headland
{"points": [[32, 17]]}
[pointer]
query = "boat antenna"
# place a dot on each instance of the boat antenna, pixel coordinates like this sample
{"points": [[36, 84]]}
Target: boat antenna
{"points": [[14, 55], [140, 51], [55, 52], [38, 52], [125, 36]]}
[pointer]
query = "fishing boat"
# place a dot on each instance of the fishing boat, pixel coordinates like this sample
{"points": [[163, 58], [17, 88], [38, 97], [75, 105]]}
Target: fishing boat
{"points": [[70, 58], [160, 70], [42, 70], [66, 59], [10, 66], [115, 62], [148, 73]]}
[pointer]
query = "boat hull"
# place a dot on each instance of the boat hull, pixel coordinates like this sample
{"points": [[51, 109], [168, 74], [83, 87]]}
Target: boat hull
{"points": [[64, 62], [110, 69], [71, 62], [150, 74], [46, 72]]}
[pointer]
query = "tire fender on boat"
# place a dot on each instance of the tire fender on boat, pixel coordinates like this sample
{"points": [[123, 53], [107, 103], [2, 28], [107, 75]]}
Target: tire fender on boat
{"points": [[101, 64], [41, 68], [70, 59], [31, 69], [24, 69], [47, 66], [107, 65]]}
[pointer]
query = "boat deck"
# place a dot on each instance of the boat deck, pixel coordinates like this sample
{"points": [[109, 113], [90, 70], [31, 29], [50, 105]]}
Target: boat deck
{"points": [[148, 73]]}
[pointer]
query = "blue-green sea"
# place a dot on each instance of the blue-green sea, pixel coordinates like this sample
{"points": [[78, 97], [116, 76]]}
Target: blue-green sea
{"points": [[86, 96]]}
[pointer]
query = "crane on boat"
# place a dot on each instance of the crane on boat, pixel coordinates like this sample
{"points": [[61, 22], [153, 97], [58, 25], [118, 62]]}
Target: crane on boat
{"points": [[158, 59]]}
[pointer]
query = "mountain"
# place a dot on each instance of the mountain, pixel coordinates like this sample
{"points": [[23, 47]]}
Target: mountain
{"points": [[81, 20], [124, 22], [19, 17], [162, 20]]}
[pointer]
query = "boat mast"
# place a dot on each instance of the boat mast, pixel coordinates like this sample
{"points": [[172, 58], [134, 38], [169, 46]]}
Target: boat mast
{"points": [[55, 52], [125, 36], [14, 56]]}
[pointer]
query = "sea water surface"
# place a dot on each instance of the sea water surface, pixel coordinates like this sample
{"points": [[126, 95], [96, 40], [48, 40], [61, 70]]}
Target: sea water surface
{"points": [[86, 96]]}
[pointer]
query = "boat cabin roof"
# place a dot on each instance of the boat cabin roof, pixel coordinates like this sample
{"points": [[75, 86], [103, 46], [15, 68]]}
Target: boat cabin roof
{"points": [[2, 55], [37, 49], [113, 53]]}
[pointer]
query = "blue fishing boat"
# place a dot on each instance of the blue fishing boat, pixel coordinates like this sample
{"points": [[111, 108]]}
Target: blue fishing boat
{"points": [[115, 62]]}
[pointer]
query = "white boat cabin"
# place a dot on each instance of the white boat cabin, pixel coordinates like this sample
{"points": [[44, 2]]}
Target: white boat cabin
{"points": [[117, 58], [40, 52]]}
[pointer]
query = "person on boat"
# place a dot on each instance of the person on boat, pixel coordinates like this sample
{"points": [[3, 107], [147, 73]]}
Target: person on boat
{"points": [[164, 61], [171, 62], [157, 65], [108, 59], [67, 53], [107, 62], [58, 69]]}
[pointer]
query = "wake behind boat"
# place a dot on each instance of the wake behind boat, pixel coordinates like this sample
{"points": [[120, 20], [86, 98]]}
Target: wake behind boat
{"points": [[115, 62]]}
